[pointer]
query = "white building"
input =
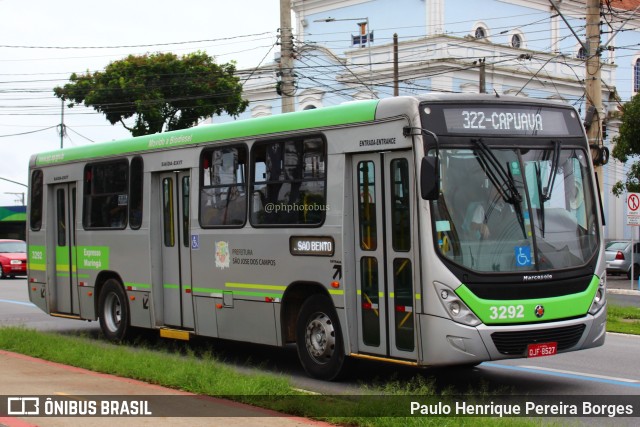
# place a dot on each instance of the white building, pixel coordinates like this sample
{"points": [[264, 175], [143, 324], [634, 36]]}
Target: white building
{"points": [[526, 48]]}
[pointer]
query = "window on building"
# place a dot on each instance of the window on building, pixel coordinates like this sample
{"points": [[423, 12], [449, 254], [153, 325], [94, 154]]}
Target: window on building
{"points": [[516, 41], [106, 195], [480, 33], [223, 191], [288, 182]]}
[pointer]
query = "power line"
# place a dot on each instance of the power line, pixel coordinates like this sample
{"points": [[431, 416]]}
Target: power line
{"points": [[27, 133], [135, 45]]}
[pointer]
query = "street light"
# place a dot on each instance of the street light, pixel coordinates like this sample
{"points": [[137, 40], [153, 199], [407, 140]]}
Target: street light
{"points": [[368, 33]]}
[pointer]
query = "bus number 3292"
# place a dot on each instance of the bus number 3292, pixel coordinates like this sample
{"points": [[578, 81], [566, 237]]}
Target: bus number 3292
{"points": [[507, 312]]}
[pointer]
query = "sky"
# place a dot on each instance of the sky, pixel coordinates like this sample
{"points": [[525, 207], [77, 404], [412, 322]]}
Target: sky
{"points": [[42, 42]]}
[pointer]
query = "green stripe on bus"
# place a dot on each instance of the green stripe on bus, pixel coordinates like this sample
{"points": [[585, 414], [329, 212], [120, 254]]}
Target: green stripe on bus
{"points": [[255, 286], [138, 285], [356, 112], [238, 292], [493, 312], [258, 294], [64, 268]]}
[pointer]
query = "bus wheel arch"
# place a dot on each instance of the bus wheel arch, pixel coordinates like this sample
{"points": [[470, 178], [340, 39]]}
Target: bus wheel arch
{"points": [[319, 338], [292, 300], [113, 308]]}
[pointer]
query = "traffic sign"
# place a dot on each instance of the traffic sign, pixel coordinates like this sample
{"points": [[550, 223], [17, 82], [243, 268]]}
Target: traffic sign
{"points": [[633, 209]]}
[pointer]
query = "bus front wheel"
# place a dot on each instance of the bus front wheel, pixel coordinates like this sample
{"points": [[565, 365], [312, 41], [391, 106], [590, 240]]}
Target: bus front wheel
{"points": [[319, 339], [114, 311]]}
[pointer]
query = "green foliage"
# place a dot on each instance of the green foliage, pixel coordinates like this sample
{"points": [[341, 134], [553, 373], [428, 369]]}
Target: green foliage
{"points": [[624, 320], [162, 91], [627, 144], [202, 373]]}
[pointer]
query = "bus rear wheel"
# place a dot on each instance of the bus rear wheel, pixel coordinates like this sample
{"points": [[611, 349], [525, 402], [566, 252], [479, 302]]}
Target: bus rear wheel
{"points": [[114, 311], [319, 339]]}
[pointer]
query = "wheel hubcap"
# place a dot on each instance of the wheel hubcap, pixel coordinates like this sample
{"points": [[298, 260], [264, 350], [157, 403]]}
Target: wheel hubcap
{"points": [[112, 312], [320, 338]]}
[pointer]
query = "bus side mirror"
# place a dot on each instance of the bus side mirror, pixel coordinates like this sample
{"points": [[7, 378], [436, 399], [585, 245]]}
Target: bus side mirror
{"points": [[429, 178]]}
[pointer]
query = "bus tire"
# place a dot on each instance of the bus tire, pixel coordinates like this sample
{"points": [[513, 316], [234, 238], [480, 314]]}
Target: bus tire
{"points": [[114, 311], [319, 339]]}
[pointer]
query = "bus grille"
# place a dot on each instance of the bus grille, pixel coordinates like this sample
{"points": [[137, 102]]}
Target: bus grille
{"points": [[515, 343]]}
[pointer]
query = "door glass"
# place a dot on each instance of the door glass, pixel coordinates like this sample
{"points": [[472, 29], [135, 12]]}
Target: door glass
{"points": [[367, 206], [167, 210], [403, 291], [400, 209], [369, 300], [61, 218], [185, 212]]}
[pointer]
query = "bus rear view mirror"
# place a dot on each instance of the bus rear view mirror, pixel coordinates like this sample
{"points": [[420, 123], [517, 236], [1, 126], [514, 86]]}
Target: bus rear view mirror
{"points": [[429, 178]]}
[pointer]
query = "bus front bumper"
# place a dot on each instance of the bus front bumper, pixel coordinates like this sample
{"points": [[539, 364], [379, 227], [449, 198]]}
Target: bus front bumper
{"points": [[446, 342]]}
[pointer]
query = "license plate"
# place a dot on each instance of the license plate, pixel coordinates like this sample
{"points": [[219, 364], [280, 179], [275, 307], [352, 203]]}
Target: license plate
{"points": [[542, 349]]}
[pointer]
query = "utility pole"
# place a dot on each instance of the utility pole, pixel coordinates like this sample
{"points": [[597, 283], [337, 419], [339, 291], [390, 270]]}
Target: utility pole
{"points": [[594, 83], [396, 77], [286, 57], [482, 84], [20, 199], [62, 128]]}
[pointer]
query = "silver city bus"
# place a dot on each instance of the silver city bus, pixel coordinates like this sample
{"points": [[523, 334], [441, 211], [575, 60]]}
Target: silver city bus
{"points": [[430, 230]]}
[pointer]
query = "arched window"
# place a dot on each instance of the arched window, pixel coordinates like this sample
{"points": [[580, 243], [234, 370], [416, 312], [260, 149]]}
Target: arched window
{"points": [[480, 33], [636, 76], [516, 41], [582, 53]]}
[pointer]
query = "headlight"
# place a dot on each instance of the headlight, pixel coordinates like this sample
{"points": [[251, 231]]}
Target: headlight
{"points": [[456, 308], [600, 297]]}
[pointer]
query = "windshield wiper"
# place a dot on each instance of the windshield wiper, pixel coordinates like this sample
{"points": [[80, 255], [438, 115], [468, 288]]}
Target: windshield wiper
{"points": [[541, 196], [546, 191], [501, 179]]}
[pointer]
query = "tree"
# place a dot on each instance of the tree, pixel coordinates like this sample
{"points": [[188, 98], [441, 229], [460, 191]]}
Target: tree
{"points": [[162, 91], [627, 144]]}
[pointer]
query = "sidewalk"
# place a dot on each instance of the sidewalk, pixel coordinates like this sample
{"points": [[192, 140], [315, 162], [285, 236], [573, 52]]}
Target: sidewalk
{"points": [[27, 376], [622, 286]]}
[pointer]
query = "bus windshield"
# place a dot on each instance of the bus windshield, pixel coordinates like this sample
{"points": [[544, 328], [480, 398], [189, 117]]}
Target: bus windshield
{"points": [[515, 209]]}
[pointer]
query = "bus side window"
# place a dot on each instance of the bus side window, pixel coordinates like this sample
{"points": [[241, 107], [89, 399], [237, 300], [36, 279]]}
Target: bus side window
{"points": [[288, 182], [106, 195], [223, 192], [135, 193], [35, 208]]}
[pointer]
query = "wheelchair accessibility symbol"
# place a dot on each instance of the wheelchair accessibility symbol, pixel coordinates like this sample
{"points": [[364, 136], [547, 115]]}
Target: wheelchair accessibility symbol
{"points": [[523, 256]]}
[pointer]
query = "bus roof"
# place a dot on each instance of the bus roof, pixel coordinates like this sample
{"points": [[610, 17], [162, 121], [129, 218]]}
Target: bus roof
{"points": [[352, 112]]}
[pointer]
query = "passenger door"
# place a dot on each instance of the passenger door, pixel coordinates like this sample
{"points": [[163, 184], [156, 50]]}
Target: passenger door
{"points": [[175, 189], [385, 219], [64, 240]]}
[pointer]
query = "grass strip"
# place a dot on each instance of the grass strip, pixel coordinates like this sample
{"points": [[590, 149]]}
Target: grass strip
{"points": [[624, 320], [203, 374]]}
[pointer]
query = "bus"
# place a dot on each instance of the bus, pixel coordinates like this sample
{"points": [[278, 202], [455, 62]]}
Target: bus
{"points": [[426, 230]]}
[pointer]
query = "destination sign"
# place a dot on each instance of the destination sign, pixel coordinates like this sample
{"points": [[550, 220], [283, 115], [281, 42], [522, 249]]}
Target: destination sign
{"points": [[311, 245], [508, 120]]}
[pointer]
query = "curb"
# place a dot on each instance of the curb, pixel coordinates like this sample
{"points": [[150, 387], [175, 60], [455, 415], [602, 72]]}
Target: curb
{"points": [[623, 292]]}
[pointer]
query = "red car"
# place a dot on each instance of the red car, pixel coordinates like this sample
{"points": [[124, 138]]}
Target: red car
{"points": [[13, 258]]}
